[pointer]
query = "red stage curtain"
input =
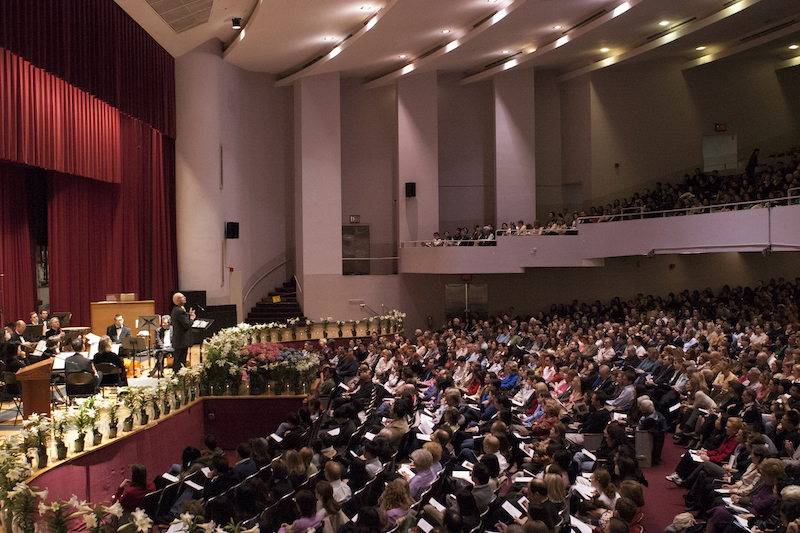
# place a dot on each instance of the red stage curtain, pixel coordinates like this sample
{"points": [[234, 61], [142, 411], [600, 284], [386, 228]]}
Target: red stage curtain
{"points": [[84, 251], [165, 241], [16, 251], [111, 238], [47, 123], [95, 46]]}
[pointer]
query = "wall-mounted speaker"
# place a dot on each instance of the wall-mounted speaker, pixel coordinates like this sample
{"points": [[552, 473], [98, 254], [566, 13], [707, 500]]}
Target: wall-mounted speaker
{"points": [[231, 230], [411, 189]]}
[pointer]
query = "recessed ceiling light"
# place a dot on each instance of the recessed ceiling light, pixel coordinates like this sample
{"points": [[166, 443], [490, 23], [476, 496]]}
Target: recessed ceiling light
{"points": [[445, 31], [794, 47], [663, 23], [366, 8], [327, 38], [700, 48], [556, 27], [604, 50], [236, 23], [491, 1], [506, 51], [403, 56]]}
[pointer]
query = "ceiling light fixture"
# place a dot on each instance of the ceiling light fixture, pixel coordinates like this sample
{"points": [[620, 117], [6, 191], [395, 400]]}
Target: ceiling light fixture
{"points": [[604, 50], [557, 27], [327, 38], [366, 8], [403, 56], [700, 48], [794, 47], [506, 51], [445, 31], [664, 23], [236, 23]]}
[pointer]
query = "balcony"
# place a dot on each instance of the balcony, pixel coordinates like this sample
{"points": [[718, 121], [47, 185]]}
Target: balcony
{"points": [[764, 230]]}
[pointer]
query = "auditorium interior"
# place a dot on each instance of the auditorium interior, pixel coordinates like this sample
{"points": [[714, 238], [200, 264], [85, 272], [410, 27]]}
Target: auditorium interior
{"points": [[323, 155]]}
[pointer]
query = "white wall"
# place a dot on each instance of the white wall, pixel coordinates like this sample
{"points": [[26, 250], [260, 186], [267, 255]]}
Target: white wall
{"points": [[369, 164], [466, 154], [219, 104]]}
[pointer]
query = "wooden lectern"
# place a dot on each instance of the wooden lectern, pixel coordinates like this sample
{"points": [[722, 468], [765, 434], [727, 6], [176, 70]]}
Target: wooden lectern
{"points": [[35, 381]]}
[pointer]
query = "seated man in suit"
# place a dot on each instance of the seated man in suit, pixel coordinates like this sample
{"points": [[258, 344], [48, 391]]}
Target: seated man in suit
{"points": [[34, 318], [118, 330], [163, 344], [20, 344], [79, 363], [245, 466]]}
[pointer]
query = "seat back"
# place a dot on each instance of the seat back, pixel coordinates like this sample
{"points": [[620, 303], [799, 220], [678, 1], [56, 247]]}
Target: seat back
{"points": [[80, 378], [108, 369]]}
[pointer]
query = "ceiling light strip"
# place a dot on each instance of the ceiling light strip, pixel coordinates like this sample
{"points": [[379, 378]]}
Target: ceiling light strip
{"points": [[538, 51], [683, 31], [733, 50], [487, 23], [338, 49], [789, 63]]}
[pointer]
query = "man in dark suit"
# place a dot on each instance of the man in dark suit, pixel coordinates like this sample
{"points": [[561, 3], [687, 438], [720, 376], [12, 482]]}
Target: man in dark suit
{"points": [[164, 346], [118, 330], [181, 328], [245, 466], [79, 363], [15, 355]]}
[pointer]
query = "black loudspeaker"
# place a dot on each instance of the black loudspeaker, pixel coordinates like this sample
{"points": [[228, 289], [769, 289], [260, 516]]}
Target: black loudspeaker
{"points": [[231, 230], [411, 189]]}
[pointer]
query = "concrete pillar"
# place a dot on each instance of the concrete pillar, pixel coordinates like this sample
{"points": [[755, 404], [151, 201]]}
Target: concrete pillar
{"points": [[418, 155], [515, 156], [318, 177]]}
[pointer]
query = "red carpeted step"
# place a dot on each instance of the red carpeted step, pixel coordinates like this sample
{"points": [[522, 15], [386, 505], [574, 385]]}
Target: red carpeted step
{"points": [[662, 499]]}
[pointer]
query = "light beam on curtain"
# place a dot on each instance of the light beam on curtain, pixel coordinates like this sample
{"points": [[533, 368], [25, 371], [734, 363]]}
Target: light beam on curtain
{"points": [[47, 123]]}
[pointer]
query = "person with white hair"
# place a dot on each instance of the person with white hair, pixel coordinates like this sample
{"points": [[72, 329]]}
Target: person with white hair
{"points": [[654, 422], [422, 460]]}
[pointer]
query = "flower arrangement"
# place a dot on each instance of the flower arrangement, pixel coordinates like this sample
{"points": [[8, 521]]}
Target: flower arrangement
{"points": [[97, 518], [354, 324], [58, 516], [325, 322], [292, 323], [22, 503], [309, 325], [339, 324]]}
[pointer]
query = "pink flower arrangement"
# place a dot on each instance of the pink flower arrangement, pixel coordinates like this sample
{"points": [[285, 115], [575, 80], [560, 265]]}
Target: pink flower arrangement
{"points": [[262, 351]]}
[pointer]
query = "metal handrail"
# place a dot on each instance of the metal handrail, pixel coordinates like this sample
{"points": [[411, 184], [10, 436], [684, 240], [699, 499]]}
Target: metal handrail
{"points": [[267, 273], [640, 213]]}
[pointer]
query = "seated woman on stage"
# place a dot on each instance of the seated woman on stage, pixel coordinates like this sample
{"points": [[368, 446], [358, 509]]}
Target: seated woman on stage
{"points": [[106, 355], [132, 491]]}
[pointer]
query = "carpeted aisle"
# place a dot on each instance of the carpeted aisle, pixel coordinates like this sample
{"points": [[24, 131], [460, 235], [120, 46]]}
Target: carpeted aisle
{"points": [[662, 499]]}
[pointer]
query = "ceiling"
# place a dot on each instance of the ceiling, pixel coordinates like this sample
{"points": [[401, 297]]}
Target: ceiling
{"points": [[382, 40]]}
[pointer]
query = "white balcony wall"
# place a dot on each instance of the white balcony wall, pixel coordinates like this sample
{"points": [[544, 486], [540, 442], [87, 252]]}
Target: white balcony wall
{"points": [[750, 230]]}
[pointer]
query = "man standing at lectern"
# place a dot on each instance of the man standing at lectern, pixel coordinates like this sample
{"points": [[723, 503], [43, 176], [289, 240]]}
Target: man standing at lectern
{"points": [[118, 330], [181, 330]]}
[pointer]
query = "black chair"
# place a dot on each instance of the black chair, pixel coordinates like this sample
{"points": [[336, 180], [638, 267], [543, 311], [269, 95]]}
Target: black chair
{"points": [[169, 495], [150, 502], [12, 391], [81, 385], [112, 374]]}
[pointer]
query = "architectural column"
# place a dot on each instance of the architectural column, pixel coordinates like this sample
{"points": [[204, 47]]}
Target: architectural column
{"points": [[418, 155], [318, 178], [515, 157]]}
